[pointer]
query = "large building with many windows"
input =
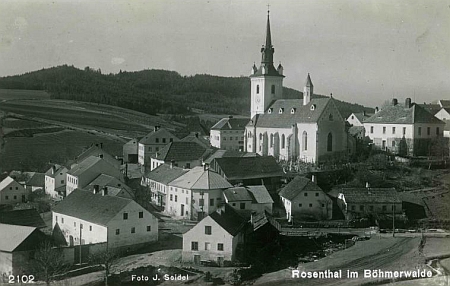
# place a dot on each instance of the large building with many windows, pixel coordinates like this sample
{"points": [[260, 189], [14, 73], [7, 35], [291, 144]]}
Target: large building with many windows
{"points": [[228, 134]]}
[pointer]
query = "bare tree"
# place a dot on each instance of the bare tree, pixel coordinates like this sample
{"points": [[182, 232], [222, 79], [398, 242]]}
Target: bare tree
{"points": [[49, 262], [107, 259]]}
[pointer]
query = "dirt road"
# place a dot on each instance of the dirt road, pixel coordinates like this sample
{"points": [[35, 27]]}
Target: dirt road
{"points": [[386, 254]]}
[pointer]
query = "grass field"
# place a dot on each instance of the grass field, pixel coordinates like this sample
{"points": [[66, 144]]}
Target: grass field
{"points": [[36, 153], [8, 94]]}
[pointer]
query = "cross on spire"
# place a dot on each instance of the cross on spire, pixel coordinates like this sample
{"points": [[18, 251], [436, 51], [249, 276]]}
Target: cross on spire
{"points": [[268, 8]]}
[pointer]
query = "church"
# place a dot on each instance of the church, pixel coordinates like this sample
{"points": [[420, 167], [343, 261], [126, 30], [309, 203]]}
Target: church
{"points": [[305, 129]]}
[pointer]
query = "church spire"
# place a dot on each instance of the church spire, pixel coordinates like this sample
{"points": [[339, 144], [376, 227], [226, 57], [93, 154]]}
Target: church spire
{"points": [[267, 50]]}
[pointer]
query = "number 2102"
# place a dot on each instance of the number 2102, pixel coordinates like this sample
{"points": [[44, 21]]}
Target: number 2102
{"points": [[21, 279]]}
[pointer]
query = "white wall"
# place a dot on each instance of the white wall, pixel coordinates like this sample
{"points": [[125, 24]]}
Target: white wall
{"points": [[12, 193]]}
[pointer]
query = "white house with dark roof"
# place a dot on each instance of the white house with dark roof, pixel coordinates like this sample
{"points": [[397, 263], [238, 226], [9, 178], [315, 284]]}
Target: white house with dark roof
{"points": [[195, 194], [88, 170], [130, 151], [304, 199], [96, 150], [406, 129], [158, 181], [361, 202], [308, 129], [254, 198], [55, 179], [87, 218], [444, 115], [186, 154], [358, 118], [152, 143], [111, 186], [11, 192], [17, 245], [228, 133], [215, 238]]}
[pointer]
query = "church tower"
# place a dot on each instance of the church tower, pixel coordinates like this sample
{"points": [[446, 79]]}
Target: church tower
{"points": [[308, 90], [266, 81]]}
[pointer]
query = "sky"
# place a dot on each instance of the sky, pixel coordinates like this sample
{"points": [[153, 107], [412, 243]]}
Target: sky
{"points": [[361, 51]]}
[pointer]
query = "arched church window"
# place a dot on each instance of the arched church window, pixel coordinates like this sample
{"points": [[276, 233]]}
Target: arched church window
{"points": [[271, 140], [257, 89], [330, 142], [260, 136], [330, 117], [273, 89], [305, 140], [283, 139]]}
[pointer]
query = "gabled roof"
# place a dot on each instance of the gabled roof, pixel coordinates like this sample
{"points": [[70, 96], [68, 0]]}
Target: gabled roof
{"points": [[148, 139], [229, 219], [361, 116], [89, 207], [3, 184], [260, 194], [399, 114], [36, 180], [165, 174], [237, 194], [231, 124], [58, 169], [197, 138], [370, 195], [249, 167], [107, 180], [444, 103], [11, 236], [200, 179], [298, 185], [95, 150], [303, 113], [91, 164], [181, 151], [28, 217], [228, 153]]}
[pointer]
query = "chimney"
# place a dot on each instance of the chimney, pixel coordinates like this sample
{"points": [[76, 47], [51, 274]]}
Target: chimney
{"points": [[172, 164], [230, 117], [394, 101], [105, 191], [364, 113], [53, 169], [367, 185], [313, 178], [408, 102], [96, 189], [156, 128], [206, 167], [376, 109]]}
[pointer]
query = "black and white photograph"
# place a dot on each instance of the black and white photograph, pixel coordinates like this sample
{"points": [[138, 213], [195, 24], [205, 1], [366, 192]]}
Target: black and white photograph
{"points": [[224, 142]]}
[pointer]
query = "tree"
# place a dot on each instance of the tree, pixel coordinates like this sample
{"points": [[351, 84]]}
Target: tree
{"points": [[49, 262], [107, 259]]}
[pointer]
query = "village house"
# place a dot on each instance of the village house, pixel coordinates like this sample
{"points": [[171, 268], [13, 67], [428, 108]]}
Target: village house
{"points": [[308, 129], [406, 129], [11, 192], [36, 181], [17, 247], [215, 238], [196, 137], [228, 134], [195, 194], [444, 115], [358, 118], [303, 199], [87, 170], [111, 186], [250, 171], [254, 198], [152, 143], [55, 181], [96, 150], [362, 202], [184, 153], [26, 217], [227, 153], [87, 218], [130, 151], [158, 181]]}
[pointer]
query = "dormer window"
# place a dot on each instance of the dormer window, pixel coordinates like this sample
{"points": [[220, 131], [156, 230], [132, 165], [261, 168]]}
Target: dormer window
{"points": [[313, 107], [293, 110], [281, 110], [270, 110]]}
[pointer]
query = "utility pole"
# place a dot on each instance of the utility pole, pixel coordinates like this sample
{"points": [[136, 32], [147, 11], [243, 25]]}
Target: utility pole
{"points": [[393, 220], [80, 243]]}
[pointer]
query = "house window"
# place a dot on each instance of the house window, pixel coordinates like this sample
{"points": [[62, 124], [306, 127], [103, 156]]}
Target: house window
{"points": [[141, 214], [171, 197], [194, 245], [62, 181], [157, 140], [437, 131], [133, 229], [15, 197], [305, 140], [371, 129], [310, 205], [187, 201], [283, 141], [393, 144], [384, 129], [62, 220], [353, 208], [201, 202], [90, 228], [305, 194], [117, 231], [393, 130], [74, 224], [220, 246], [404, 130], [317, 194], [323, 205], [419, 131], [125, 216], [273, 89], [176, 198], [211, 202], [233, 204], [208, 229], [207, 245], [299, 205], [6, 197], [330, 142], [81, 225], [242, 206], [149, 228], [428, 130], [257, 89], [164, 140], [171, 140]]}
